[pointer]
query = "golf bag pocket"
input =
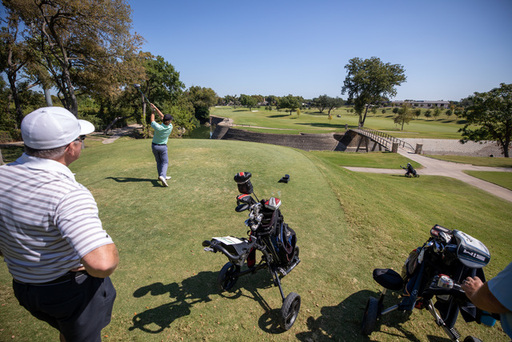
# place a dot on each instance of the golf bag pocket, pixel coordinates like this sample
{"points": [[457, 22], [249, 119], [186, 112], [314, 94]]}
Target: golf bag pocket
{"points": [[410, 264], [285, 241]]}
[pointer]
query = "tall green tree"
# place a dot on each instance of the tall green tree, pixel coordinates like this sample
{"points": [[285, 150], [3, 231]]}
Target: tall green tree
{"points": [[82, 44], [231, 100], [491, 113], [290, 102], [13, 58], [369, 81], [248, 101], [321, 102], [333, 103], [404, 115], [202, 99], [160, 82]]}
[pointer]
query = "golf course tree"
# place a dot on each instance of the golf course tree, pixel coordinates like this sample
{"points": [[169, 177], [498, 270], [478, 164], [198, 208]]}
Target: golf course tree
{"points": [[248, 101], [160, 82], [84, 46], [321, 102], [324, 102], [489, 117], [271, 100], [12, 59], [369, 82], [231, 100], [202, 99], [404, 115], [290, 102]]}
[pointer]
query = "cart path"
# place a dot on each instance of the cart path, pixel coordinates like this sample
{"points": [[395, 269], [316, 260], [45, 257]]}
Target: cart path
{"points": [[435, 167]]}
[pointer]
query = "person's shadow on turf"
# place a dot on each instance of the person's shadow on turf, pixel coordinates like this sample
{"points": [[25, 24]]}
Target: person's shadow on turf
{"points": [[134, 180], [198, 289], [192, 290]]}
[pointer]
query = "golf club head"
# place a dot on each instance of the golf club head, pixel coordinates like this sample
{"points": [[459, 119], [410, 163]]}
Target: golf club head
{"points": [[137, 86]]}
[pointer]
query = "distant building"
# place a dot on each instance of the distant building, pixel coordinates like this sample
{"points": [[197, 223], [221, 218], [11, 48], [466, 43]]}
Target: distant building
{"points": [[423, 104]]}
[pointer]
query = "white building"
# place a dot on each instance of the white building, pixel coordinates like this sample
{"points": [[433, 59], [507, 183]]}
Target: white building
{"points": [[423, 104]]}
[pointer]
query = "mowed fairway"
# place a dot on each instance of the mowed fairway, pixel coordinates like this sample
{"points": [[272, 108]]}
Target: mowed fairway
{"points": [[346, 223]]}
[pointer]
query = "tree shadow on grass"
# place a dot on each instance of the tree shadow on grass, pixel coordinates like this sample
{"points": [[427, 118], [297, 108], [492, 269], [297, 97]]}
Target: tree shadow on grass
{"points": [[135, 180], [199, 289], [342, 322], [326, 125]]}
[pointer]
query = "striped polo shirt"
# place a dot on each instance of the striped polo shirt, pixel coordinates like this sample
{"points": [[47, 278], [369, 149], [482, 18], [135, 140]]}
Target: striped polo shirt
{"points": [[48, 221]]}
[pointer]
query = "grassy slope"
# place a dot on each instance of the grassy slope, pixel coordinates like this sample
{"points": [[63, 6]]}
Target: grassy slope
{"points": [[347, 224]]}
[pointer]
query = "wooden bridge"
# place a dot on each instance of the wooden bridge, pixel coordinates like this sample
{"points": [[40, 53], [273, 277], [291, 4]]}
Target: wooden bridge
{"points": [[380, 140]]}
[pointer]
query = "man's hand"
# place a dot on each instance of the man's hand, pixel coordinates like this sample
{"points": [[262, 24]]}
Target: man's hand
{"points": [[471, 286], [480, 295]]}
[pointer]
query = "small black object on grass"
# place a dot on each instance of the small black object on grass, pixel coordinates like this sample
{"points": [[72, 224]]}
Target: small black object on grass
{"points": [[284, 179]]}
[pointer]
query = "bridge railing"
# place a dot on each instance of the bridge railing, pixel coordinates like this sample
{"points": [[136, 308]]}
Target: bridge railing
{"points": [[385, 139]]}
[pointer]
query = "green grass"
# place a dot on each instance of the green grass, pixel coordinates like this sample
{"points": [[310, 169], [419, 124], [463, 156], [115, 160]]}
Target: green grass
{"points": [[381, 160], [503, 179], [311, 121], [11, 153], [347, 224], [478, 161]]}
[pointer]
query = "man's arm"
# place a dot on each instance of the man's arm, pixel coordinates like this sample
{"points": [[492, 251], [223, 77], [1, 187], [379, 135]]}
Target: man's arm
{"points": [[158, 111], [480, 295], [102, 261]]}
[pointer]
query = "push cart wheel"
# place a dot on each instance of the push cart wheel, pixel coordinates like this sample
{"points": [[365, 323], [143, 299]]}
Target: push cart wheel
{"points": [[371, 313], [227, 276], [290, 310]]}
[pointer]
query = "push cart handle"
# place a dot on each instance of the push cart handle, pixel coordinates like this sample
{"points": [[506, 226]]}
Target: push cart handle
{"points": [[214, 246]]}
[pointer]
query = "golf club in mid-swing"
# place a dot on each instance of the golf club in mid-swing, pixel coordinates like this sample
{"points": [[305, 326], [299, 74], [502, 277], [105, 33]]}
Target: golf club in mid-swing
{"points": [[136, 85]]}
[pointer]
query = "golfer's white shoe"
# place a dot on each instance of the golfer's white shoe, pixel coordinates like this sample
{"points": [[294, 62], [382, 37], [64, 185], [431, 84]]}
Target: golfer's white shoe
{"points": [[164, 182], [168, 177]]}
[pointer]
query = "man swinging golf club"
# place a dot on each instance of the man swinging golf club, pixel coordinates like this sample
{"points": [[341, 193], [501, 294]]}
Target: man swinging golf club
{"points": [[159, 143]]}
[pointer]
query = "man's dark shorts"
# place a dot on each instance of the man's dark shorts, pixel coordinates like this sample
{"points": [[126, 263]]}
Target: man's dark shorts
{"points": [[79, 308]]}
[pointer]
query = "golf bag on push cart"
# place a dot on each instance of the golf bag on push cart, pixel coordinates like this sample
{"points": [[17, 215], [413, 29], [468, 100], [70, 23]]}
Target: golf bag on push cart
{"points": [[431, 278], [410, 171], [269, 234]]}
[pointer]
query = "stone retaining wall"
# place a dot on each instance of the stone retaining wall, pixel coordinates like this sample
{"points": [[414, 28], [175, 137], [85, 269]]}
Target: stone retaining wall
{"points": [[348, 141], [307, 142]]}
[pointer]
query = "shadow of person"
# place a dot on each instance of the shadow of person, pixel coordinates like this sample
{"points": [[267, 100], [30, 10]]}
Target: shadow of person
{"points": [[134, 180], [198, 289], [192, 290], [342, 322]]}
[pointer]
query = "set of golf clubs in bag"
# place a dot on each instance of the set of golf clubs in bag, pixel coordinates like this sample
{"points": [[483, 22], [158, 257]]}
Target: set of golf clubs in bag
{"points": [[430, 279]]}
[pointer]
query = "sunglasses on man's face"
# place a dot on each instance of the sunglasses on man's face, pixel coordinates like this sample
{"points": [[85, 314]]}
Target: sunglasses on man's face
{"points": [[80, 138]]}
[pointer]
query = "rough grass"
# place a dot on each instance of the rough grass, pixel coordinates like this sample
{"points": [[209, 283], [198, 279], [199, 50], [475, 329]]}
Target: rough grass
{"points": [[347, 224]]}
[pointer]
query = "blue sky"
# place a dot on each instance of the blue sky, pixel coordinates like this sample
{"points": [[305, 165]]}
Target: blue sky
{"points": [[449, 48]]}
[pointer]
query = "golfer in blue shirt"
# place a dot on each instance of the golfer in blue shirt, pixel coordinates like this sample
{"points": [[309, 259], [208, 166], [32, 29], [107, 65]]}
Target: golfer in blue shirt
{"points": [[159, 144]]}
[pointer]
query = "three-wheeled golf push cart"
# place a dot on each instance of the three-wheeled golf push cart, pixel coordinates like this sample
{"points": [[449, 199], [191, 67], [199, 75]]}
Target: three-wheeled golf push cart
{"points": [[431, 278], [269, 234]]}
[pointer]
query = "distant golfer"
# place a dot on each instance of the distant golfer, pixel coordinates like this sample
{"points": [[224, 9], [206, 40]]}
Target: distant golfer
{"points": [[159, 144]]}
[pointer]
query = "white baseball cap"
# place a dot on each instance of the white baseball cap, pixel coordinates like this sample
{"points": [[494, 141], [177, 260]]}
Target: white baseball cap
{"points": [[52, 127]]}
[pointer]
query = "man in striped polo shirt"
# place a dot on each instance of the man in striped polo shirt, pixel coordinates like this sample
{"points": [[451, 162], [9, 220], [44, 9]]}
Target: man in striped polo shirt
{"points": [[51, 237]]}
